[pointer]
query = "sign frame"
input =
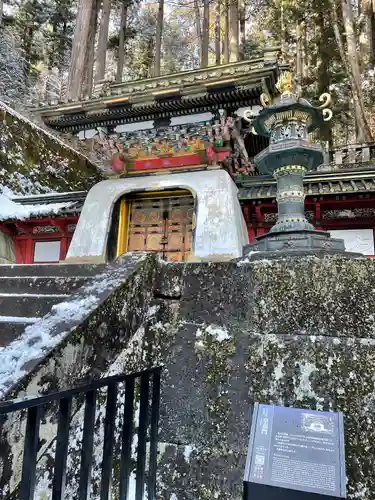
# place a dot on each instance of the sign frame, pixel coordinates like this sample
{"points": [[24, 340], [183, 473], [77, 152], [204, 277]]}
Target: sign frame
{"points": [[273, 492]]}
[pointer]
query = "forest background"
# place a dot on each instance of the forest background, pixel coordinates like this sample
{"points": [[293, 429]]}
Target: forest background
{"points": [[52, 50]]}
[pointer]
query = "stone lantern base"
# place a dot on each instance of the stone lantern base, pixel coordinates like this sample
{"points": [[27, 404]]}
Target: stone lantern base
{"points": [[277, 244]]}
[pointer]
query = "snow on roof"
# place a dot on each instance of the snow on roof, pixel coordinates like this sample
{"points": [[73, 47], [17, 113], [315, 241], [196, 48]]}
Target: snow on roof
{"points": [[44, 195], [9, 210]]}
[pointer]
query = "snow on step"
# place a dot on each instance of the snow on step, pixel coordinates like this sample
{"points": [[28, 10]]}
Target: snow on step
{"points": [[16, 319], [33, 295], [36, 277]]}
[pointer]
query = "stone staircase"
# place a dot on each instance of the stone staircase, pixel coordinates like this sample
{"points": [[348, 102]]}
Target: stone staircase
{"points": [[27, 293]]}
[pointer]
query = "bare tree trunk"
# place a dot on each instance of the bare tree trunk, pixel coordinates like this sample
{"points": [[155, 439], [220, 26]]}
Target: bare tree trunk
{"points": [[79, 48], [103, 41], [198, 27], [88, 79], [372, 35], [121, 44], [299, 50], [242, 15], [1, 11], [305, 53], [233, 34], [217, 33], [158, 38], [283, 30], [351, 64], [364, 133], [322, 63], [367, 45], [205, 33], [226, 32]]}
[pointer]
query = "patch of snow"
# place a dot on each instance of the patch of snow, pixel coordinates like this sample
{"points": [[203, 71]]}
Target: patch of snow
{"points": [[17, 319], [6, 191], [173, 497], [37, 339], [220, 334], [188, 450], [11, 210], [132, 487], [246, 260], [243, 262], [74, 309], [14, 197], [152, 311], [136, 414], [45, 295]]}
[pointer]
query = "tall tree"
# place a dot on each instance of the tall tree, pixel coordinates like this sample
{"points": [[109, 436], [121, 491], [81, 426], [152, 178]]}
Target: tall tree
{"points": [[299, 56], [242, 19], [233, 31], [205, 33], [226, 32], [103, 41], [351, 63], [79, 49], [121, 43], [198, 28], [217, 33], [159, 38], [88, 79]]}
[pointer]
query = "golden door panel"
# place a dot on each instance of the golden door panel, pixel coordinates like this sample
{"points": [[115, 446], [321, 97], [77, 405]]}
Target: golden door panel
{"points": [[162, 225]]}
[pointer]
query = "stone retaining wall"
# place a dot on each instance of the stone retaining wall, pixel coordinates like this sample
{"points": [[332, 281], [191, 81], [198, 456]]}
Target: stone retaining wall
{"points": [[297, 332]]}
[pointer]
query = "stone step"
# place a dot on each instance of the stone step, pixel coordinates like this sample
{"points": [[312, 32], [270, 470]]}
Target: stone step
{"points": [[41, 285], [50, 270], [11, 328], [29, 306]]}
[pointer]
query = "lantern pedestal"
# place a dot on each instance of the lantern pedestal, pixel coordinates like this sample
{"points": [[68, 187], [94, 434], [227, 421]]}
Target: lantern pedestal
{"points": [[290, 154]]}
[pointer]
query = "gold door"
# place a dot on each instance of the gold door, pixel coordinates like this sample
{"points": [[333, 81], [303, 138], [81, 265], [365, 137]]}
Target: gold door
{"points": [[161, 225]]}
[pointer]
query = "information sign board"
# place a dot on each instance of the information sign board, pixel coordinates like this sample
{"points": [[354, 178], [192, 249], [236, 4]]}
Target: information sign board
{"points": [[297, 449]]}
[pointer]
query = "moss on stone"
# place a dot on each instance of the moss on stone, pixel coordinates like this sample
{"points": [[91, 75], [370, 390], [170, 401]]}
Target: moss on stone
{"points": [[33, 161]]}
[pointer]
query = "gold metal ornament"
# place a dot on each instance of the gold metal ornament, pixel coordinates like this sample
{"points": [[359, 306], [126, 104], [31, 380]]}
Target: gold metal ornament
{"points": [[248, 115], [326, 99], [265, 100], [327, 115], [285, 83]]}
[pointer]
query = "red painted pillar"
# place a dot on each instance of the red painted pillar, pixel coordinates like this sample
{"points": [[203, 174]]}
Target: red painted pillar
{"points": [[260, 230], [63, 247], [318, 216], [29, 251], [252, 234], [246, 213], [18, 249]]}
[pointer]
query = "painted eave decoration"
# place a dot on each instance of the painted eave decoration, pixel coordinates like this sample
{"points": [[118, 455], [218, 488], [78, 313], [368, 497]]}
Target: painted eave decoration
{"points": [[244, 80]]}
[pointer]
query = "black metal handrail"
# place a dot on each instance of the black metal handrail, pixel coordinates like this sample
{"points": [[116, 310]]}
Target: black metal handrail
{"points": [[149, 401]]}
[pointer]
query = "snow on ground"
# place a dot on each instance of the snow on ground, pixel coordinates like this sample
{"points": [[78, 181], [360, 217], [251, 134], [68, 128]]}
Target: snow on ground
{"points": [[11, 210]]}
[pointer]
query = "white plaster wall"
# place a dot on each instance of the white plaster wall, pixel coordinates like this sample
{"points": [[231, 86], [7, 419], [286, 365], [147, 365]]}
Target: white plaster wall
{"points": [[7, 251], [220, 232], [356, 240]]}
